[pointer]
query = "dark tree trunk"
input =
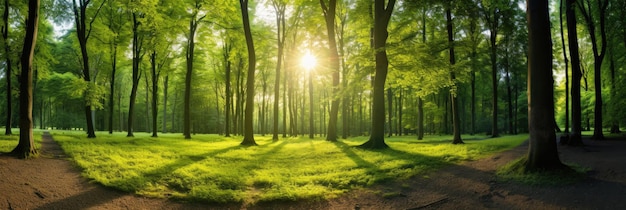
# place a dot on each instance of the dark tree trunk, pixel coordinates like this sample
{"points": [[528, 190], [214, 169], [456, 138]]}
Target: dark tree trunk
{"points": [[80, 17], [311, 105], [112, 85], [227, 108], [8, 73], [329, 16], [575, 137], [136, 75], [26, 145], [614, 107], [420, 119], [155, 93], [248, 138], [382, 14], [456, 124], [598, 55], [542, 152]]}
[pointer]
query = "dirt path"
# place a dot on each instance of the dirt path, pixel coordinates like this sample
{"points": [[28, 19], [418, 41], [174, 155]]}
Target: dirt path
{"points": [[51, 182]]}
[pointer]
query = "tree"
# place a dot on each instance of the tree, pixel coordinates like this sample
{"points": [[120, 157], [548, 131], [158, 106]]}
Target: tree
{"points": [[570, 13], [137, 56], [492, 14], [542, 152], [279, 8], [329, 16], [453, 95], [248, 138], [8, 73], [26, 146], [83, 31], [194, 22], [598, 56], [382, 15]]}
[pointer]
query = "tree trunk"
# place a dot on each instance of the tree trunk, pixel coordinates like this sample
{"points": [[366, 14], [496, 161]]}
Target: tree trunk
{"points": [[227, 64], [381, 21], [136, 75], [570, 12], [456, 124], [311, 125], [566, 61], [420, 119], [542, 152], [8, 73], [389, 111], [155, 93], [26, 145], [614, 107], [329, 16], [112, 85], [280, 33], [165, 84], [248, 138], [193, 25], [80, 16]]}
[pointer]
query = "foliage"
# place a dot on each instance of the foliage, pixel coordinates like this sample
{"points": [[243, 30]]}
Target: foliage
{"points": [[213, 168]]}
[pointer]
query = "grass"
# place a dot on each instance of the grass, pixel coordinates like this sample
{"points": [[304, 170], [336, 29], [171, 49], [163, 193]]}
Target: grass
{"points": [[8, 143], [515, 172], [212, 168]]}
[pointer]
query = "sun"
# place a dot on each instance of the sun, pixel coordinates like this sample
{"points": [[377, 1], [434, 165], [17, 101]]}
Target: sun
{"points": [[308, 61]]}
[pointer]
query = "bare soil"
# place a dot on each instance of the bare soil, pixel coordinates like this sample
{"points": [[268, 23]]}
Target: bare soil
{"points": [[53, 182]]}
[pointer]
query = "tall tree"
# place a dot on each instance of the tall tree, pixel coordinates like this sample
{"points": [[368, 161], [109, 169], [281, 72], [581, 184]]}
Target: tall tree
{"points": [[26, 146], [137, 56], [279, 8], [194, 22], [114, 21], [329, 10], [453, 94], [382, 15], [8, 72], [248, 136], [492, 14], [542, 152], [84, 27], [599, 51], [572, 38], [566, 61]]}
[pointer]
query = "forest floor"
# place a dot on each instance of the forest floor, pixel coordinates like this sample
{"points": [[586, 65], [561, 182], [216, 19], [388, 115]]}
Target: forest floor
{"points": [[53, 182]]}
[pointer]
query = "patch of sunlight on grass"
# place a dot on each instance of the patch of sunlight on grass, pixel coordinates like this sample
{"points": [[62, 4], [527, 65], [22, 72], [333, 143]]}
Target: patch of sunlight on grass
{"points": [[515, 171], [212, 168]]}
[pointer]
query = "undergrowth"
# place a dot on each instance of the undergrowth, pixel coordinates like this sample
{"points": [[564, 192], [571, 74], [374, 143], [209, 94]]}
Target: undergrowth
{"points": [[212, 168]]}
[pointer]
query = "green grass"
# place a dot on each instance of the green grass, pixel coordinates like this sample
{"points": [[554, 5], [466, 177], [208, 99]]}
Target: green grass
{"points": [[8, 143], [515, 171], [212, 168]]}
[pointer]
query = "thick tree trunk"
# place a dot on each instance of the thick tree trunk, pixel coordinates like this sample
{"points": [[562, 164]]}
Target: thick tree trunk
{"points": [[381, 21], [248, 138], [542, 152], [189, 73], [26, 145], [329, 16]]}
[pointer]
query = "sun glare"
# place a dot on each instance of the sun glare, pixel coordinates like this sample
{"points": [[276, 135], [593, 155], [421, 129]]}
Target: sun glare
{"points": [[308, 61]]}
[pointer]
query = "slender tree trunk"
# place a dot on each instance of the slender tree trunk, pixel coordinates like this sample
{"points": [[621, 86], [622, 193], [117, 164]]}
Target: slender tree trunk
{"points": [[614, 107], [165, 84], [155, 94], [566, 61], [112, 85], [280, 33], [570, 12], [311, 121], [456, 124], [8, 73], [381, 21], [26, 145], [80, 16], [193, 24], [389, 111], [136, 75], [248, 138], [227, 64], [542, 152]]}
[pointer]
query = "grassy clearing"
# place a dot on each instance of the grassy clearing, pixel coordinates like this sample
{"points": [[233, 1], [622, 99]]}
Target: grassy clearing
{"points": [[212, 168], [515, 172], [8, 143]]}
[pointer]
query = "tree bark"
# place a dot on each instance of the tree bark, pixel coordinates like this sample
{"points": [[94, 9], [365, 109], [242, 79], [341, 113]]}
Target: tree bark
{"points": [[570, 12], [280, 35], [193, 25], [8, 73], [382, 16], [136, 75], [542, 152], [26, 145], [155, 93], [566, 61], [248, 138], [456, 124], [227, 70], [329, 16]]}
